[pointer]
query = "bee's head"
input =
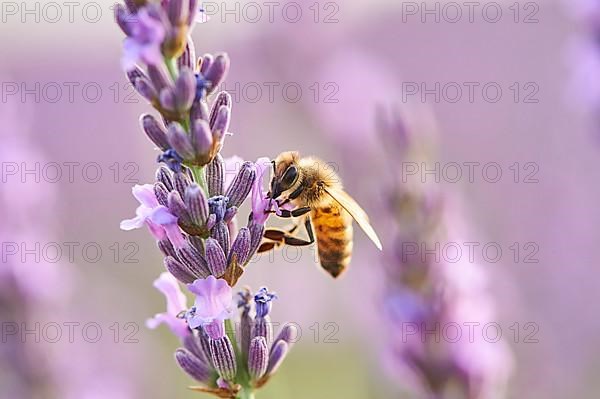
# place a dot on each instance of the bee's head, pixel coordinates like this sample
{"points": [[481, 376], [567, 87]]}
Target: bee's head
{"points": [[285, 173]]}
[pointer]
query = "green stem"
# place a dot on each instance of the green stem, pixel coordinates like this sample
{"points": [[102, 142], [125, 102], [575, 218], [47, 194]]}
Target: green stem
{"points": [[242, 378], [198, 172], [172, 67], [246, 394]]}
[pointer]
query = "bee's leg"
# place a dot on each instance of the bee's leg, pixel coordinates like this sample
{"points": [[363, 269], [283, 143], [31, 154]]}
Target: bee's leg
{"points": [[293, 195], [280, 237], [294, 213]]}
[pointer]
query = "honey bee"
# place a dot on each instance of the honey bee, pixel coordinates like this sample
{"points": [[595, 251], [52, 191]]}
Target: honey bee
{"points": [[316, 194]]}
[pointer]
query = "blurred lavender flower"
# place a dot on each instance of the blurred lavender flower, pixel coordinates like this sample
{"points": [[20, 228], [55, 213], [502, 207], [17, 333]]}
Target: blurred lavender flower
{"points": [[191, 208], [146, 34], [583, 57], [424, 295], [36, 291]]}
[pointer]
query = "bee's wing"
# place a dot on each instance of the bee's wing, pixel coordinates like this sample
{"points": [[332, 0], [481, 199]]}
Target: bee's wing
{"points": [[348, 203]]}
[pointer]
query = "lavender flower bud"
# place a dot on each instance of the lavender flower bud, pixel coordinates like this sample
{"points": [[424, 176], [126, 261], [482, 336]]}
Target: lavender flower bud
{"points": [[223, 100], [122, 16], [185, 89], [179, 270], [220, 232], [217, 71], [166, 99], [223, 358], [257, 231], [246, 327], [159, 77], [134, 74], [205, 63], [263, 327], [240, 247], [192, 11], [197, 243], [212, 221], [230, 214], [258, 358], [199, 111], [132, 6], [202, 139], [180, 141], [194, 261], [288, 334], [163, 175], [215, 257], [166, 248], [177, 10], [215, 177], [192, 365], [196, 204], [278, 353], [221, 122], [194, 343], [188, 58], [177, 208], [146, 90], [181, 183], [155, 132], [242, 184], [161, 193]]}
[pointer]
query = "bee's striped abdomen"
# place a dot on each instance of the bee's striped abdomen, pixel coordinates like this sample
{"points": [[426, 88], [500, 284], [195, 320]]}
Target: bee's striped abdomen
{"points": [[333, 230]]}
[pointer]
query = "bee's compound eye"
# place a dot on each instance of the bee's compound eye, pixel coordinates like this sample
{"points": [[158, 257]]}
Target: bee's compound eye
{"points": [[290, 176]]}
